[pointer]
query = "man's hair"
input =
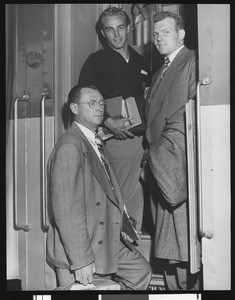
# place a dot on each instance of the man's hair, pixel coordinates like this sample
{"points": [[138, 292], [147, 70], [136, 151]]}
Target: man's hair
{"points": [[75, 93], [112, 11], [179, 22], [73, 97]]}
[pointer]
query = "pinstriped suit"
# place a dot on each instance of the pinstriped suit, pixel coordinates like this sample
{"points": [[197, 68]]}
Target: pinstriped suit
{"points": [[176, 88], [164, 99], [86, 214]]}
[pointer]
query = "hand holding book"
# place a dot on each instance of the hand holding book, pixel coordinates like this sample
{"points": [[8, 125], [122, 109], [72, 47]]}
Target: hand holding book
{"points": [[126, 118], [115, 128]]}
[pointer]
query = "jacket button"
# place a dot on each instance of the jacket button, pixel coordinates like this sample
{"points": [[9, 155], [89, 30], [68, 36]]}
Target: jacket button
{"points": [[98, 203], [100, 242], [101, 223]]}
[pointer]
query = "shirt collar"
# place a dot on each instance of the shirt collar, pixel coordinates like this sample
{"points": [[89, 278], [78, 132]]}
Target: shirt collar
{"points": [[111, 51], [173, 54], [90, 135]]}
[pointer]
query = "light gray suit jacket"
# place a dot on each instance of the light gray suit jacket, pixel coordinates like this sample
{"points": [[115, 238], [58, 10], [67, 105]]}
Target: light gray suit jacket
{"points": [[175, 89], [86, 214], [168, 164], [167, 152]]}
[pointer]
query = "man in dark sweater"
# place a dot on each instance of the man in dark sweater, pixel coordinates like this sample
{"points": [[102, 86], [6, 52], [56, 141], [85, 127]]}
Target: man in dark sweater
{"points": [[118, 70]]}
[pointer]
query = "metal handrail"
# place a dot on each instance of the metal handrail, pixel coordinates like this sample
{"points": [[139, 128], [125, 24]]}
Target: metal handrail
{"points": [[44, 191], [24, 227], [203, 233]]}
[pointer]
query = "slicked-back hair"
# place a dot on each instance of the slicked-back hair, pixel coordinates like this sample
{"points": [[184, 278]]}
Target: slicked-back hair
{"points": [[179, 22], [112, 11]]}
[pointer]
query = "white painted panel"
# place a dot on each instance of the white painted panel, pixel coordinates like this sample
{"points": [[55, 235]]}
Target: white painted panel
{"points": [[208, 245], [26, 251], [216, 198], [222, 194], [36, 237], [12, 258]]}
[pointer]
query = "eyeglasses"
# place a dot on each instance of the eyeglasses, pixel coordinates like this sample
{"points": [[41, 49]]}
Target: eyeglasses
{"points": [[93, 104]]}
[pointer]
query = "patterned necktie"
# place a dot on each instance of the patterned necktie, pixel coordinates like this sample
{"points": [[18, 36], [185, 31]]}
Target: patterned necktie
{"points": [[103, 159], [165, 66]]}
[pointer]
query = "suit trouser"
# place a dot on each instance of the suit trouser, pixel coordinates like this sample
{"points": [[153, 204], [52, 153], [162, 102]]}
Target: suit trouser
{"points": [[154, 192], [178, 277], [125, 157], [134, 272]]}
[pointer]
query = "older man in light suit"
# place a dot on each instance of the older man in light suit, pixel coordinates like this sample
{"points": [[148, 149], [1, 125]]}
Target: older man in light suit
{"points": [[86, 237], [172, 86]]}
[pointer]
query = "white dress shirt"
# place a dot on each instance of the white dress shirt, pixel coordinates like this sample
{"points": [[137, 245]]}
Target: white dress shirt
{"points": [[173, 54], [90, 135]]}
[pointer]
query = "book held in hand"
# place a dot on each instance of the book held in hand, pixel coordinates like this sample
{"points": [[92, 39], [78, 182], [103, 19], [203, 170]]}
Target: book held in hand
{"points": [[114, 107], [134, 109], [118, 107]]}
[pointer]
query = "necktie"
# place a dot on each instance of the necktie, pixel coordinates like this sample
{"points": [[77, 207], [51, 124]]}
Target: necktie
{"points": [[103, 159], [152, 91], [165, 66]]}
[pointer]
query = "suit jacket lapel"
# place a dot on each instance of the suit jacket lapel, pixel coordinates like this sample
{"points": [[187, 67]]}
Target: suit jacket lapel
{"points": [[158, 93], [151, 92], [96, 165], [99, 172]]}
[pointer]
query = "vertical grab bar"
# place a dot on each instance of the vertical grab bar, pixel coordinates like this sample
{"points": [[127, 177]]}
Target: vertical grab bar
{"points": [[44, 198], [203, 233], [24, 227]]}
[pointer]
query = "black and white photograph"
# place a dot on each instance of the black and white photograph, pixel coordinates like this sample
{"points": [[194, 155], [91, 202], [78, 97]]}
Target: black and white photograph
{"points": [[118, 159]]}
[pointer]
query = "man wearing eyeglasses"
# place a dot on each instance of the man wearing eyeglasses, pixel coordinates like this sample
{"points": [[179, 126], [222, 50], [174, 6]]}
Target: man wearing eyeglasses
{"points": [[118, 70], [87, 238]]}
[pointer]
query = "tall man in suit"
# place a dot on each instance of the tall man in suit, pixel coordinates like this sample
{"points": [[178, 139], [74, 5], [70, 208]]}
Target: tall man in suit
{"points": [[86, 236], [172, 86]]}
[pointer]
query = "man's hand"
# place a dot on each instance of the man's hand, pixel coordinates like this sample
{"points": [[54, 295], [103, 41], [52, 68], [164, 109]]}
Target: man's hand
{"points": [[118, 128], [85, 274], [126, 237]]}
